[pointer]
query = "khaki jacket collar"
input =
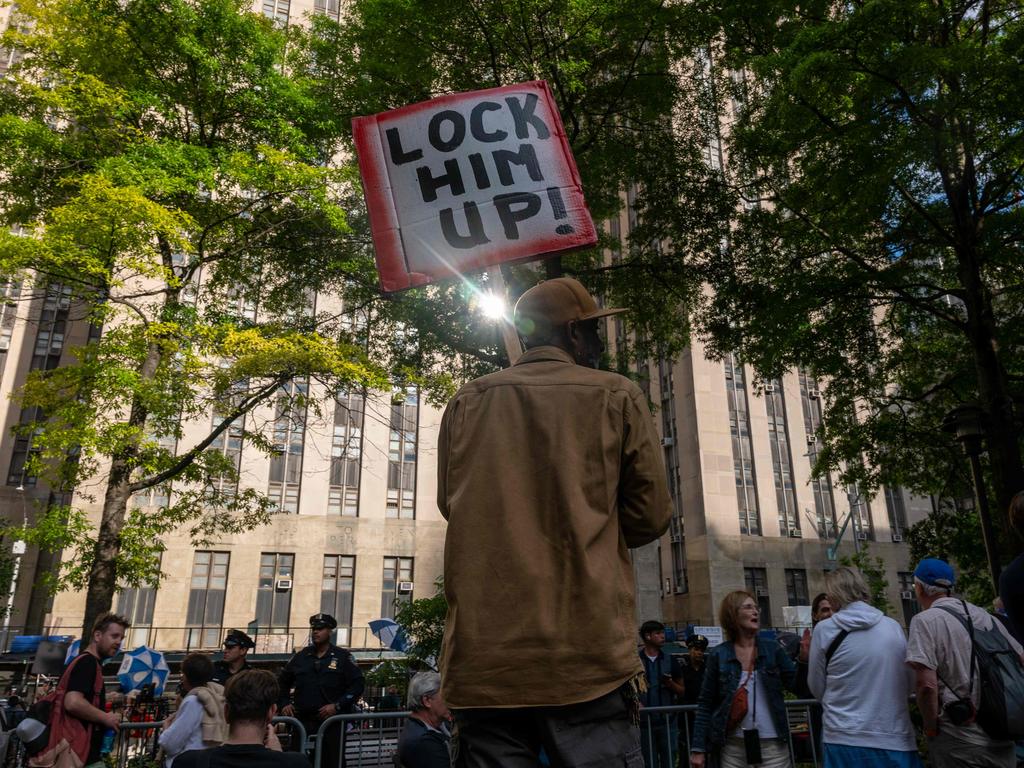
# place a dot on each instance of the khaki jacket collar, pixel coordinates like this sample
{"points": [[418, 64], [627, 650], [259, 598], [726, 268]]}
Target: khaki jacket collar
{"points": [[545, 353]]}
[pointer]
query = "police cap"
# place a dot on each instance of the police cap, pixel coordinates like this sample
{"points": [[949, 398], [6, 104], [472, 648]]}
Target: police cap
{"points": [[697, 641], [238, 637], [322, 621]]}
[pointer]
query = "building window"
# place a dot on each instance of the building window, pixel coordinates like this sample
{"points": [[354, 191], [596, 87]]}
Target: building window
{"points": [[742, 447], [782, 458], [861, 513], [337, 588], [796, 587], [346, 452], [756, 580], [669, 440], [136, 604], [274, 592], [401, 499], [205, 613], [327, 7], [289, 434], [821, 487], [908, 599], [46, 354], [10, 293], [397, 587], [277, 11], [897, 511]]}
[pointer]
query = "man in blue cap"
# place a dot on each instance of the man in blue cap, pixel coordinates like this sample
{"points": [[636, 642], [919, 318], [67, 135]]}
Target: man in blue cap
{"points": [[948, 686]]}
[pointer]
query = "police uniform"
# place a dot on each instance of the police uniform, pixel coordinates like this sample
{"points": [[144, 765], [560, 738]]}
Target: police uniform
{"points": [[308, 682], [221, 671]]}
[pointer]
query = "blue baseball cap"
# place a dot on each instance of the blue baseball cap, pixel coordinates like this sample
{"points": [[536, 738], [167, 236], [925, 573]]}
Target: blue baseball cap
{"points": [[935, 573]]}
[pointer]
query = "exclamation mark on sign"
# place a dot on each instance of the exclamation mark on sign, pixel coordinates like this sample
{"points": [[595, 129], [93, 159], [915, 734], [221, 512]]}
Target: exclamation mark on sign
{"points": [[558, 207]]}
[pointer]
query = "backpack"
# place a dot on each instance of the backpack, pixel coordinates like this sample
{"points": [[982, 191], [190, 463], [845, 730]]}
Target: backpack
{"points": [[1001, 677], [64, 738]]}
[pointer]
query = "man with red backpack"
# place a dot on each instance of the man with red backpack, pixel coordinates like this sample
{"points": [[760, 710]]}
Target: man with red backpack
{"points": [[78, 717]]}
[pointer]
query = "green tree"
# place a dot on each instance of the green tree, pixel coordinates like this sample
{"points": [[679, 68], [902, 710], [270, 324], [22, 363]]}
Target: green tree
{"points": [[877, 148], [165, 163], [423, 620]]}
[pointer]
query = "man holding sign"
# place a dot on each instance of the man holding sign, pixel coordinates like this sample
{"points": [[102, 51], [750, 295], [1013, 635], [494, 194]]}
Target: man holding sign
{"points": [[547, 472]]}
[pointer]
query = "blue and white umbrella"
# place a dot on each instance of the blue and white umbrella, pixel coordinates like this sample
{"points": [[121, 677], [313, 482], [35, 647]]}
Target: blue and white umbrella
{"points": [[390, 633], [141, 667], [73, 650]]}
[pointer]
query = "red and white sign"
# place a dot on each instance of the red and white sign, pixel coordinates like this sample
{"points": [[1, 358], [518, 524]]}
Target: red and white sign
{"points": [[467, 181]]}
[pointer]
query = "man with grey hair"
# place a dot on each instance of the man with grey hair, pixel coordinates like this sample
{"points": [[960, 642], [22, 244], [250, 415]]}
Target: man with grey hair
{"points": [[947, 681], [424, 741]]}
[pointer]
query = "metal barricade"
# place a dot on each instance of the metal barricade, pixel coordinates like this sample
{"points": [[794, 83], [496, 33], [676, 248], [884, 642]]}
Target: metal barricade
{"points": [[136, 745], [666, 733], [297, 737], [366, 739]]}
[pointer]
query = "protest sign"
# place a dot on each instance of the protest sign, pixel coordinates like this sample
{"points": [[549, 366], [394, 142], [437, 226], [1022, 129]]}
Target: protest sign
{"points": [[468, 181]]}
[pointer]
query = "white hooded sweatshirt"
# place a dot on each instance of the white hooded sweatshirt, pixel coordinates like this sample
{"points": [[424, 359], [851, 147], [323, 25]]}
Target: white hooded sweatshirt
{"points": [[865, 690]]}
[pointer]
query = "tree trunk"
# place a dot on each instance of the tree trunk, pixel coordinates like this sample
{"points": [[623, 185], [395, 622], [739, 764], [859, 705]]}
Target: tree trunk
{"points": [[99, 596], [1002, 436], [103, 575]]}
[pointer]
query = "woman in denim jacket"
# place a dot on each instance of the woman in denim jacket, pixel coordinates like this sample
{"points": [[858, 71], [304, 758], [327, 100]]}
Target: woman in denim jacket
{"points": [[763, 668]]}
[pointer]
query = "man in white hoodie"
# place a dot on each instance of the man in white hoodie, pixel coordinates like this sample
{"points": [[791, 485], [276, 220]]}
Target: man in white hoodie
{"points": [[857, 670]]}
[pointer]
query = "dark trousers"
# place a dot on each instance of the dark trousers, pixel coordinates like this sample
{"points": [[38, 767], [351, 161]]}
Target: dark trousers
{"points": [[330, 755], [594, 734]]}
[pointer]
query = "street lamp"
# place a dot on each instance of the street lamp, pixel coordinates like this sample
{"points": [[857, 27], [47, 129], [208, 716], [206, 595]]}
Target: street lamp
{"points": [[967, 423]]}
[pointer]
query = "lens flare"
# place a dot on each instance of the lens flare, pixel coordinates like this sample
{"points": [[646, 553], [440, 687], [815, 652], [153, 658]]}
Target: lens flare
{"points": [[492, 306]]}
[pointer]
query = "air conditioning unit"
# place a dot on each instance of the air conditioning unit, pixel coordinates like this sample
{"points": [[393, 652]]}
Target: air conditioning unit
{"points": [[5, 344], [761, 591], [813, 394], [680, 589], [897, 537], [283, 585], [907, 594], [405, 586], [812, 439], [769, 387], [862, 536], [668, 442], [794, 533], [63, 303]]}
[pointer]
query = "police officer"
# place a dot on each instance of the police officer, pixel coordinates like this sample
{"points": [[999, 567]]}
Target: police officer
{"points": [[320, 681], [236, 647], [693, 679]]}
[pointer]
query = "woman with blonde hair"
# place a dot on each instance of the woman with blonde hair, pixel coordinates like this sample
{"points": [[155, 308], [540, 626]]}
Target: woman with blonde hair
{"points": [[741, 713], [857, 671]]}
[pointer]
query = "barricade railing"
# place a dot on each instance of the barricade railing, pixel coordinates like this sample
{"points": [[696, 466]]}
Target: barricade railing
{"points": [[667, 731], [136, 744], [362, 739], [298, 738]]}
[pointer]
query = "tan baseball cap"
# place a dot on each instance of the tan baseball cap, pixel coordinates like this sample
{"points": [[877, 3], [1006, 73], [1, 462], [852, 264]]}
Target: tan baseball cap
{"points": [[553, 303]]}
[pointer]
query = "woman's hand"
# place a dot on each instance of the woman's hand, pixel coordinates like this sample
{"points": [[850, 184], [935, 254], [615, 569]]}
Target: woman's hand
{"points": [[696, 760]]}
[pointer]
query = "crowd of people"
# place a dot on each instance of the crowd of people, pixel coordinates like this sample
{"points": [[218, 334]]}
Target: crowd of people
{"points": [[223, 717], [858, 663]]}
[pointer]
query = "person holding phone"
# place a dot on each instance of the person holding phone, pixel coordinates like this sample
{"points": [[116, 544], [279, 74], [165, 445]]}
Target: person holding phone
{"points": [[741, 713], [659, 734]]}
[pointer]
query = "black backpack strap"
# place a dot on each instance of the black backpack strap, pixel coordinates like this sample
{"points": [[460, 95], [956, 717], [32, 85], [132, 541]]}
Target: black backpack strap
{"points": [[834, 646]]}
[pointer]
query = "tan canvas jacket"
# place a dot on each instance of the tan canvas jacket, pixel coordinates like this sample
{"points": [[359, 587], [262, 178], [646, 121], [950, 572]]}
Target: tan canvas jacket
{"points": [[547, 472]]}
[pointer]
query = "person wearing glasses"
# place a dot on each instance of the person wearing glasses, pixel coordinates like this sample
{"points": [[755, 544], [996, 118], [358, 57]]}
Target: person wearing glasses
{"points": [[320, 681], [236, 647]]}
